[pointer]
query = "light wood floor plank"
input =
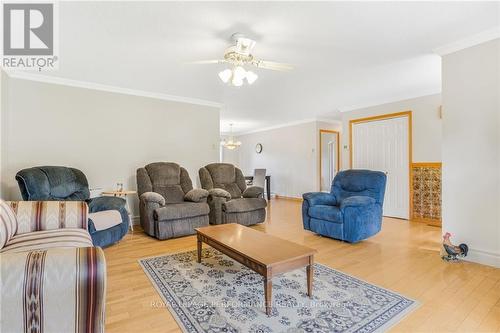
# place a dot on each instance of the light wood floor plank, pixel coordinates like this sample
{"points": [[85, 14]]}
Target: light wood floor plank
{"points": [[403, 257]]}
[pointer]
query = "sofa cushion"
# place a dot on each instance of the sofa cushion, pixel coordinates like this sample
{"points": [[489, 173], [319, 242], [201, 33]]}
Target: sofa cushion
{"points": [[358, 182], [244, 205], [42, 240], [231, 188], [53, 183], [181, 211], [163, 173], [165, 179], [328, 213], [105, 219], [171, 193], [48, 215], [222, 173], [8, 223]]}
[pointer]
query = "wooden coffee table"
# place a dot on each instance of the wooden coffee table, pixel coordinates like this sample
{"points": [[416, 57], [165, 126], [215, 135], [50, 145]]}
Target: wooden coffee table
{"points": [[265, 254]]}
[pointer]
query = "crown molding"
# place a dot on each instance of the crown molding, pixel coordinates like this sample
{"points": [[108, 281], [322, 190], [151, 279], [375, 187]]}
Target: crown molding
{"points": [[461, 44], [288, 124], [263, 129], [108, 88], [384, 101], [329, 120]]}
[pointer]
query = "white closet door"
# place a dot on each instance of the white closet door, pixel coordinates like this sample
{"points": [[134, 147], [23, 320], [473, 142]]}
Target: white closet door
{"points": [[382, 145]]}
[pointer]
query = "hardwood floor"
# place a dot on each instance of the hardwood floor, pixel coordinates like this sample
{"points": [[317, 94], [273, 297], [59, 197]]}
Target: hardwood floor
{"points": [[403, 257]]}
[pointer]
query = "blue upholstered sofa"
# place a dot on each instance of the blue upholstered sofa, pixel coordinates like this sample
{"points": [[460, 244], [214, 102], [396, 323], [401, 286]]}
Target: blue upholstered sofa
{"points": [[47, 183], [352, 211]]}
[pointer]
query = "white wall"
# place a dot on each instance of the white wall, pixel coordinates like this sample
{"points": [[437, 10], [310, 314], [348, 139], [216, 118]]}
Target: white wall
{"points": [[230, 156], [427, 130], [471, 149], [289, 155], [2, 101], [3, 138], [106, 135]]}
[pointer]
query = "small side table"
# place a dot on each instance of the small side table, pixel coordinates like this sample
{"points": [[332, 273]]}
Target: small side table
{"points": [[123, 194]]}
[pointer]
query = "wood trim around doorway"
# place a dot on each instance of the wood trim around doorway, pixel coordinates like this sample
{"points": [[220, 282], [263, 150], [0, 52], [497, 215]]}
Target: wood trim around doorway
{"points": [[337, 133], [407, 114]]}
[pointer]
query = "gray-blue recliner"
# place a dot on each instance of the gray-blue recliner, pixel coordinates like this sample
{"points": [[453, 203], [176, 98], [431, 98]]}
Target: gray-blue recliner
{"points": [[69, 184], [352, 211]]}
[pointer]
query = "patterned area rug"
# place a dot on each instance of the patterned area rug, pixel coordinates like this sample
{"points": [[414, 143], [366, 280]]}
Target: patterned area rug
{"points": [[221, 295]]}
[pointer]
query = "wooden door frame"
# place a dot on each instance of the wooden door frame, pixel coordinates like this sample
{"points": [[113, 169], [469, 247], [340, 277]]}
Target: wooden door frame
{"points": [[408, 115], [337, 133]]}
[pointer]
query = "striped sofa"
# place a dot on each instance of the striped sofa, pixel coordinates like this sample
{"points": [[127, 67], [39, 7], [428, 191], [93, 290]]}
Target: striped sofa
{"points": [[52, 279]]}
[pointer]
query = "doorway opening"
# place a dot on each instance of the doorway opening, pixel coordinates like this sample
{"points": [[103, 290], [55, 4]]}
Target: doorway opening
{"points": [[329, 160]]}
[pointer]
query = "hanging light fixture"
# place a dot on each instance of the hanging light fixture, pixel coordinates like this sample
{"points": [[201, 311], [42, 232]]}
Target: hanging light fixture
{"points": [[230, 143], [237, 75]]}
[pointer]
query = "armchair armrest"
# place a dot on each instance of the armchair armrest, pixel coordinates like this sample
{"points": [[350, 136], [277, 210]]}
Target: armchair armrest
{"points": [[356, 201], [148, 203], [152, 197], [99, 204], [75, 290], [220, 193], [253, 192], [320, 198], [196, 195]]}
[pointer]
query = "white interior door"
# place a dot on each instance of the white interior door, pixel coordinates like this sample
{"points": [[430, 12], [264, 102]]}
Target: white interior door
{"points": [[382, 145]]}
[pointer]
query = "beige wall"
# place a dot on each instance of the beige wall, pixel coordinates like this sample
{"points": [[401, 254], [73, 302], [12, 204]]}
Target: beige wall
{"points": [[471, 150], [289, 155], [427, 132], [106, 135], [3, 139]]}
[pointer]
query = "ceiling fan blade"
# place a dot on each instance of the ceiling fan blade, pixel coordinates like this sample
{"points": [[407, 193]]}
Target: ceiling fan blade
{"points": [[205, 62], [276, 66]]}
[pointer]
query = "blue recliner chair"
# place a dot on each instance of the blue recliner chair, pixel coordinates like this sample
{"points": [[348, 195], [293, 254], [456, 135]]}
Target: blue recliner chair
{"points": [[352, 211], [69, 184]]}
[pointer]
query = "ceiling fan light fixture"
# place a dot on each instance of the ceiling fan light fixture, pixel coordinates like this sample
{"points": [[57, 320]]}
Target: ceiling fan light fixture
{"points": [[251, 77], [225, 75], [239, 56]]}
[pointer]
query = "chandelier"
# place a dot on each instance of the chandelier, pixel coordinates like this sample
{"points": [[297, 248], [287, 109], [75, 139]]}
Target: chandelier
{"points": [[237, 76], [230, 143]]}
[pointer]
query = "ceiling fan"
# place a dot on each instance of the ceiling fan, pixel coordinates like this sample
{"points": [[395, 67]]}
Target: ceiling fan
{"points": [[239, 55]]}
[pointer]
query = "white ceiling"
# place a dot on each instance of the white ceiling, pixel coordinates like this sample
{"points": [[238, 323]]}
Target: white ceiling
{"points": [[346, 54]]}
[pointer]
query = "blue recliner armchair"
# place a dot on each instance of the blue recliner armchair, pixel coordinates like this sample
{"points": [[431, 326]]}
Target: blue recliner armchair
{"points": [[352, 211], [69, 184]]}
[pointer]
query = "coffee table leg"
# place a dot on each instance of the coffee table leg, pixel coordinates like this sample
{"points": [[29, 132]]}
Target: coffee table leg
{"points": [[310, 272], [198, 244], [268, 289]]}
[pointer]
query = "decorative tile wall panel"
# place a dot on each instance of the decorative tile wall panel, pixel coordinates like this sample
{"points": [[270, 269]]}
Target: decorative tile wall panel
{"points": [[426, 190]]}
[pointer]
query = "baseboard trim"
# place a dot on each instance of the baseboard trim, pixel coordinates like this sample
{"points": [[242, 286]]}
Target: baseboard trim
{"points": [[483, 257], [287, 198]]}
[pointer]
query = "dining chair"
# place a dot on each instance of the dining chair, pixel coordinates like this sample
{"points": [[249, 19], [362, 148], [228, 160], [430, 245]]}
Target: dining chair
{"points": [[259, 178]]}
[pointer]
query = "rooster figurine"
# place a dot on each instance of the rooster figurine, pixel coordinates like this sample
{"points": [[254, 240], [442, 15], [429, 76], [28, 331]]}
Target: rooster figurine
{"points": [[452, 252]]}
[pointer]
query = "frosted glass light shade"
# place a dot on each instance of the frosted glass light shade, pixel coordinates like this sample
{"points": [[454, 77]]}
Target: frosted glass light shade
{"points": [[225, 75], [239, 73], [251, 77]]}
